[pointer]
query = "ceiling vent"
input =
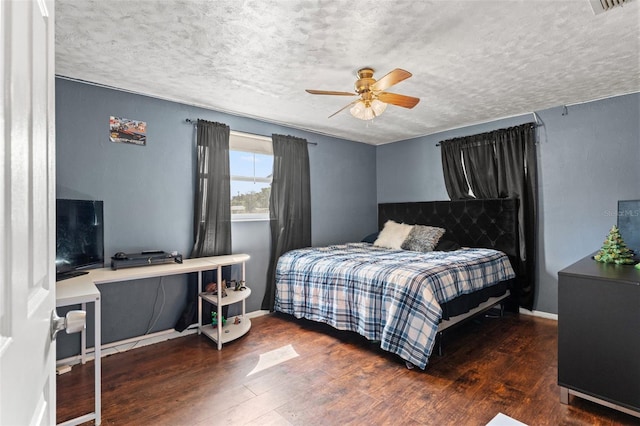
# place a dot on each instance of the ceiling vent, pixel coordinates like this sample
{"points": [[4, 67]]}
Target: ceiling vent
{"points": [[600, 6]]}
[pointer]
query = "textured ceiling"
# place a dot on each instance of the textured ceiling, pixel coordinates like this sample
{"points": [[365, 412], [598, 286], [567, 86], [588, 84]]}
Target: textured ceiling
{"points": [[472, 61]]}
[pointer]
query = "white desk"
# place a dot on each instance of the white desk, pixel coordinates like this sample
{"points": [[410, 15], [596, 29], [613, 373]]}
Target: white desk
{"points": [[108, 275], [82, 290]]}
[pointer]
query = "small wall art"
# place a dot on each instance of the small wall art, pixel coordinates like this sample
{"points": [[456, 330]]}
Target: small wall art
{"points": [[125, 130]]}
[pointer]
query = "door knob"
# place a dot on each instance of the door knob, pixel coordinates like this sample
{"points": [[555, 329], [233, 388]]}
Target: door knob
{"points": [[72, 322]]}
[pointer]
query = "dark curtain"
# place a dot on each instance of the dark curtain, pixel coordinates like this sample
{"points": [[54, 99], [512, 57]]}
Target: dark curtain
{"points": [[501, 164], [212, 207], [516, 160], [480, 164], [454, 178], [289, 205]]}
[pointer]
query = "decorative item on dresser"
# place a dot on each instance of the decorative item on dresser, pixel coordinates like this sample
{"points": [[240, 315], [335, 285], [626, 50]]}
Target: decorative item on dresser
{"points": [[598, 334], [614, 250]]}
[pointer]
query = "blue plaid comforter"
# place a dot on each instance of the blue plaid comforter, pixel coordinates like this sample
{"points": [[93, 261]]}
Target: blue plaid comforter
{"points": [[391, 296]]}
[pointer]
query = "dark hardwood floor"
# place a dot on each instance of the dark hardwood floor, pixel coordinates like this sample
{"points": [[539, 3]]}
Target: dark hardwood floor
{"points": [[506, 365]]}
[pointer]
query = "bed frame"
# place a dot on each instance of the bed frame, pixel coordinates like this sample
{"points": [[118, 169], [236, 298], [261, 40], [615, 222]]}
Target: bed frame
{"points": [[491, 223]]}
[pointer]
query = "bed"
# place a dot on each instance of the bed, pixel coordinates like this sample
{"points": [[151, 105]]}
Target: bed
{"points": [[405, 299]]}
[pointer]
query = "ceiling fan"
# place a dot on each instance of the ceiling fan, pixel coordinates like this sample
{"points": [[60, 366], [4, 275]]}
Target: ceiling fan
{"points": [[373, 99]]}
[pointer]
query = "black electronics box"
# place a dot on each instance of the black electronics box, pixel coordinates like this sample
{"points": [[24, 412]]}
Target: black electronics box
{"points": [[145, 258]]}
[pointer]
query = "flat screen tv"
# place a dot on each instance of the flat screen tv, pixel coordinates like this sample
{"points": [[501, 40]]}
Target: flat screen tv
{"points": [[79, 237], [629, 224]]}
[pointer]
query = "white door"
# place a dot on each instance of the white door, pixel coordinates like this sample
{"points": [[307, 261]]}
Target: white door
{"points": [[27, 207]]}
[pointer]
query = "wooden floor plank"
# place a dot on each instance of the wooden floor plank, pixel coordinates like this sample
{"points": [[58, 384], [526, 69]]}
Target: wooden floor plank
{"points": [[506, 365]]}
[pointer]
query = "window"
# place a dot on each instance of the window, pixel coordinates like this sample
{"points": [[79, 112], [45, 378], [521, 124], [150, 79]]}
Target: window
{"points": [[251, 168]]}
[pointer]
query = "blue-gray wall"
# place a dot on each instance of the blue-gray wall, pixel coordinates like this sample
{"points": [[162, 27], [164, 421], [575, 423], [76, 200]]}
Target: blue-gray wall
{"points": [[148, 196], [588, 159]]}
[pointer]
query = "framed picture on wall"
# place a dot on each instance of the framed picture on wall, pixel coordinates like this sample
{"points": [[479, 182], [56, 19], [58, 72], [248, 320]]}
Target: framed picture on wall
{"points": [[125, 130]]}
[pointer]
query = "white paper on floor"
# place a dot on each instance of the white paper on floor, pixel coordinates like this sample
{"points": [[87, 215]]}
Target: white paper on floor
{"points": [[274, 357], [504, 420]]}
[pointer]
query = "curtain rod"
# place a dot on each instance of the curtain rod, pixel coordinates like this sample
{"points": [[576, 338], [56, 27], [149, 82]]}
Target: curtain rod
{"points": [[195, 121], [536, 124]]}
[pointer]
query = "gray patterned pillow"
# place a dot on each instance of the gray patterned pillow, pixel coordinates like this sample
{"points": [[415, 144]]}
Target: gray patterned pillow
{"points": [[422, 238]]}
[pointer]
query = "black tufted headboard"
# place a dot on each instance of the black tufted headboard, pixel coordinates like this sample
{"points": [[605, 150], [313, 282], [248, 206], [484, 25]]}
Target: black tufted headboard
{"points": [[472, 223]]}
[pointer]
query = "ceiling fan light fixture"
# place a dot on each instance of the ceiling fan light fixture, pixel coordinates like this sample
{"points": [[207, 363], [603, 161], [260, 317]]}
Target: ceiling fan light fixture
{"points": [[373, 97], [365, 110]]}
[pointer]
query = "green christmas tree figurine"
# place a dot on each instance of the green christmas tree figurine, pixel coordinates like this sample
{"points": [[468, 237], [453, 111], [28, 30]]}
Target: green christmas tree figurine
{"points": [[614, 250]]}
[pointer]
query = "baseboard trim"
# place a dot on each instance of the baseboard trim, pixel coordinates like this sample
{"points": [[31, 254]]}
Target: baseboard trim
{"points": [[127, 344], [140, 341], [259, 313], [539, 314]]}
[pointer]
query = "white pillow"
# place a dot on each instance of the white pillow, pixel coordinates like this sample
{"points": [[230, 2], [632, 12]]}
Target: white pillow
{"points": [[393, 235]]}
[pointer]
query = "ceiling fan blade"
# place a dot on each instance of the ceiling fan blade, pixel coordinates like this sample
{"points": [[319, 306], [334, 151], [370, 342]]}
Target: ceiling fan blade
{"points": [[344, 107], [394, 77], [398, 100], [327, 92]]}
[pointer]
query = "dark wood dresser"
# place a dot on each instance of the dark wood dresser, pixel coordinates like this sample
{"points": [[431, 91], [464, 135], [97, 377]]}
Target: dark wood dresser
{"points": [[599, 334]]}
